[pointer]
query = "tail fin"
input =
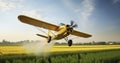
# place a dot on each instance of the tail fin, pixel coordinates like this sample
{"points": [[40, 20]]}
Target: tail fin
{"points": [[42, 35]]}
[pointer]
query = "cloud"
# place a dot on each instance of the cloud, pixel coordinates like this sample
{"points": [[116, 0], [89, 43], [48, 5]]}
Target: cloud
{"points": [[9, 4], [87, 9], [116, 1], [83, 8]]}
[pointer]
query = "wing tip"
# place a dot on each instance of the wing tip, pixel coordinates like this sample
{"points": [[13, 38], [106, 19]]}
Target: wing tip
{"points": [[20, 17], [88, 36]]}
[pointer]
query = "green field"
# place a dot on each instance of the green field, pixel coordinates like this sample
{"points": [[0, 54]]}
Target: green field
{"points": [[109, 55]]}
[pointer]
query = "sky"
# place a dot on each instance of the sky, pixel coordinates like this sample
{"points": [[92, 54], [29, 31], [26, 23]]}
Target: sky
{"points": [[100, 18]]}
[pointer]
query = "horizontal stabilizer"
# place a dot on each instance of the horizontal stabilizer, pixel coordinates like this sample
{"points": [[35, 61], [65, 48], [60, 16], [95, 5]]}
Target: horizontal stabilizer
{"points": [[41, 35]]}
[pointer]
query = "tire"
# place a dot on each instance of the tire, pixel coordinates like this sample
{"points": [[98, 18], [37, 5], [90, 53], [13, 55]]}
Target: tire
{"points": [[70, 43], [49, 39]]}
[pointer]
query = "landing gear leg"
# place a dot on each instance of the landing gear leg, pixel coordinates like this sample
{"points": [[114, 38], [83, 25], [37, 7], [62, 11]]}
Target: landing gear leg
{"points": [[49, 39], [69, 42]]}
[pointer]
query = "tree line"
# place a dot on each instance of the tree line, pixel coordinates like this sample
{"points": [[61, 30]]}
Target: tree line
{"points": [[6, 42]]}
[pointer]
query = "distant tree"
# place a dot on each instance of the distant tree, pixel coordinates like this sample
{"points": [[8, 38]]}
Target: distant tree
{"points": [[4, 40]]}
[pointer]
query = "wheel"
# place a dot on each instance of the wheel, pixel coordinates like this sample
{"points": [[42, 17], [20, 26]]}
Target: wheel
{"points": [[49, 39], [70, 43]]}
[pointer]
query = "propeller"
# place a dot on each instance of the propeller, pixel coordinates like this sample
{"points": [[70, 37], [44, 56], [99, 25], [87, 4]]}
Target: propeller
{"points": [[71, 26]]}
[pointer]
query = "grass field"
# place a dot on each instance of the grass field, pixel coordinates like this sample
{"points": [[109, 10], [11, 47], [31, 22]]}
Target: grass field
{"points": [[76, 54], [19, 49]]}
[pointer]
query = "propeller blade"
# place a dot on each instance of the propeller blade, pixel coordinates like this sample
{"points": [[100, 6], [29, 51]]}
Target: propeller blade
{"points": [[75, 25], [72, 22], [62, 24]]}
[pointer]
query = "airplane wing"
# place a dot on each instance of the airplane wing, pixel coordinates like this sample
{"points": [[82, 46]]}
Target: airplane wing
{"points": [[80, 34], [38, 23]]}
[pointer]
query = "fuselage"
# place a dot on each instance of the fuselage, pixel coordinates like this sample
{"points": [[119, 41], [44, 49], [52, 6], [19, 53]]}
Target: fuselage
{"points": [[62, 33]]}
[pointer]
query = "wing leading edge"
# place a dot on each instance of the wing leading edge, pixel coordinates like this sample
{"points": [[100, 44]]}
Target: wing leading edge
{"points": [[38, 23], [81, 34]]}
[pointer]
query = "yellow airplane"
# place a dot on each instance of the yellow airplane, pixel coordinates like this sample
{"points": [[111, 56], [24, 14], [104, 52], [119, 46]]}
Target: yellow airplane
{"points": [[63, 31]]}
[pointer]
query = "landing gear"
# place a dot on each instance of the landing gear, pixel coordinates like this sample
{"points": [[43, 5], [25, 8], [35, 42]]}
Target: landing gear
{"points": [[69, 42], [49, 39]]}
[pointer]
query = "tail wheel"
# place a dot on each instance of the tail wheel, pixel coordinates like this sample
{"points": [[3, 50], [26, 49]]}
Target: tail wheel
{"points": [[70, 43], [49, 39]]}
